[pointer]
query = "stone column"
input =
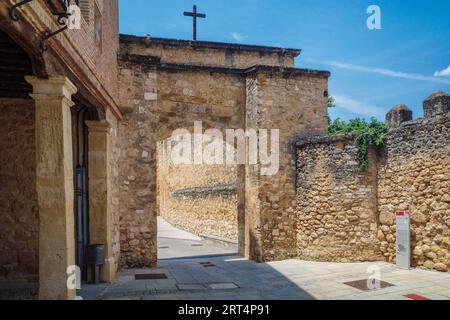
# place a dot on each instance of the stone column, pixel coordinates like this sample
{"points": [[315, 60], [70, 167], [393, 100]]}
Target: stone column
{"points": [[100, 223], [54, 184]]}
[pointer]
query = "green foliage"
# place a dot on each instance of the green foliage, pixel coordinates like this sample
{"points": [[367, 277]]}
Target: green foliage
{"points": [[331, 103], [366, 133]]}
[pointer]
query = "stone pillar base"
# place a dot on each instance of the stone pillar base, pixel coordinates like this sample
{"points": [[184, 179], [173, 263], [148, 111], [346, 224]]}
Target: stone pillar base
{"points": [[109, 270]]}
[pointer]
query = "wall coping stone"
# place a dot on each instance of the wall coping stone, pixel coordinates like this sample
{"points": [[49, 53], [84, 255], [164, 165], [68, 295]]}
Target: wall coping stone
{"points": [[148, 41], [154, 62], [421, 121], [324, 139]]}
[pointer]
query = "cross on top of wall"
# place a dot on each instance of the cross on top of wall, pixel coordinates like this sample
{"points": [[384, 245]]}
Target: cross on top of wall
{"points": [[194, 15]]}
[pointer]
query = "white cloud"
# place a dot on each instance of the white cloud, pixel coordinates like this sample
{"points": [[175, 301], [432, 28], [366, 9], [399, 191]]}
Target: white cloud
{"points": [[386, 72], [358, 107], [237, 36], [443, 73]]}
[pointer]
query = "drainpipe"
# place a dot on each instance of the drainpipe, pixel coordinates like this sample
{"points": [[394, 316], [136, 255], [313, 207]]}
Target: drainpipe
{"points": [[81, 193], [85, 190]]}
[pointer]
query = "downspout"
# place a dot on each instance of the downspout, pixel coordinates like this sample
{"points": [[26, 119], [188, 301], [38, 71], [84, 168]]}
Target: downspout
{"points": [[80, 191]]}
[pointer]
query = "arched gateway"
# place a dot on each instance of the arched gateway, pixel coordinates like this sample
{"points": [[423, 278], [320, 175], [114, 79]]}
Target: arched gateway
{"points": [[167, 85]]}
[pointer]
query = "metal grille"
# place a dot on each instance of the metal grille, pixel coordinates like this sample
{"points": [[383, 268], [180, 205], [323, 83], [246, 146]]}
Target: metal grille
{"points": [[363, 285], [150, 276]]}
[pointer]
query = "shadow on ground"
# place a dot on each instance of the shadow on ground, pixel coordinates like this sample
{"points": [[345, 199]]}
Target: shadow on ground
{"points": [[196, 269], [222, 277]]}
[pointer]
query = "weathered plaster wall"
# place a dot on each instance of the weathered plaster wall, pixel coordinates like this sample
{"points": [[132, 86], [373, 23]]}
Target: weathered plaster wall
{"points": [[337, 213], [19, 216]]}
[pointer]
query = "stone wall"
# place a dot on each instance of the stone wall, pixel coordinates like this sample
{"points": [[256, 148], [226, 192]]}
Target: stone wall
{"points": [[201, 199], [163, 100], [337, 216], [19, 216], [167, 85], [204, 53], [414, 176], [292, 101], [114, 158], [344, 214], [137, 182]]}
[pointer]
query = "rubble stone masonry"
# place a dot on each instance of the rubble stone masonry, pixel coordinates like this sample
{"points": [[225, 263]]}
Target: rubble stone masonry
{"points": [[166, 85], [293, 102], [19, 216], [337, 203], [201, 199], [163, 101], [344, 214], [203, 53], [414, 175]]}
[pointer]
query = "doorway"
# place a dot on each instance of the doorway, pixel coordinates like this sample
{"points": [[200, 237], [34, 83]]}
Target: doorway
{"points": [[81, 114]]}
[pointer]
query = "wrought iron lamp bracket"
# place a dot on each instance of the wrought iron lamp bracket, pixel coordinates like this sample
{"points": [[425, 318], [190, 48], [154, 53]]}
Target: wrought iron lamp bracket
{"points": [[62, 19], [13, 10], [50, 35]]}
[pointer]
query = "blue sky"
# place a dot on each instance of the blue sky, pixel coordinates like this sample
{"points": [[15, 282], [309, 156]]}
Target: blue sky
{"points": [[372, 70]]}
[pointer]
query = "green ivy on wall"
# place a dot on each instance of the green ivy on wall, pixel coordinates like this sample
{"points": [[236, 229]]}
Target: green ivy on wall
{"points": [[366, 133]]}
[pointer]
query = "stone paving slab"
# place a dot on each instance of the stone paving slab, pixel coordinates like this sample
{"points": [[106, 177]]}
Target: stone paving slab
{"points": [[187, 279], [271, 282]]}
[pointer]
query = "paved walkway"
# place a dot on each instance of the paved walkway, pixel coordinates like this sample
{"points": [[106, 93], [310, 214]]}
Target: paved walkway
{"points": [[210, 272], [174, 243]]}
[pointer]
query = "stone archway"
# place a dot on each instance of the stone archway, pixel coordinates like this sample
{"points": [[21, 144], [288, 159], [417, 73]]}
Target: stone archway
{"points": [[159, 97]]}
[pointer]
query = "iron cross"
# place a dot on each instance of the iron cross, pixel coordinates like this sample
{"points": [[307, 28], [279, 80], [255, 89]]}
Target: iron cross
{"points": [[195, 15]]}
